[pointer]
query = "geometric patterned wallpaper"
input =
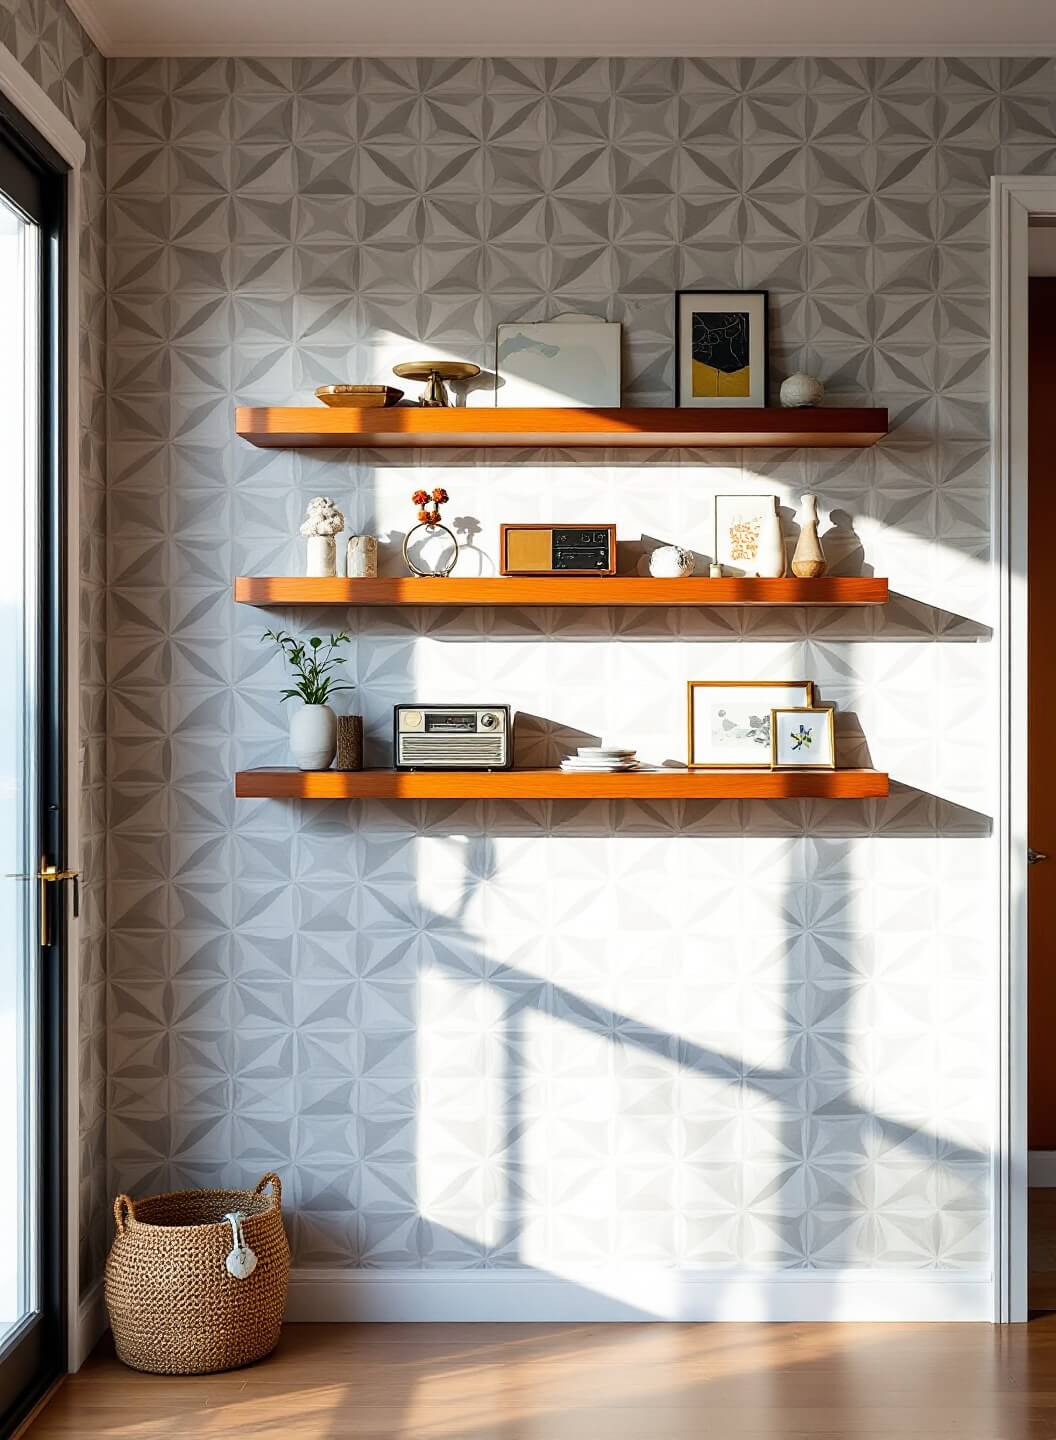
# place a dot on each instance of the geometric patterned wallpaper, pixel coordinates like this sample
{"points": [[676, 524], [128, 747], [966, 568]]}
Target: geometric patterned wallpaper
{"points": [[553, 1035], [49, 42], [558, 1035]]}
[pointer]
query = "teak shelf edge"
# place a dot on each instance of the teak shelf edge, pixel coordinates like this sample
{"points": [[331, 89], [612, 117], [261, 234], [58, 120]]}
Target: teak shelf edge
{"points": [[613, 590], [661, 784], [305, 427]]}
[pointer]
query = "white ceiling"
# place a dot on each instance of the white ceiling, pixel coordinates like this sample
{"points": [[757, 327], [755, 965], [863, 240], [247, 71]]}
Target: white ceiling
{"points": [[570, 27]]}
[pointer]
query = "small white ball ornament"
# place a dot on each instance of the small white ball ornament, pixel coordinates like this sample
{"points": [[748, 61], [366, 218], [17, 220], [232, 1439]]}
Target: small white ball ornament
{"points": [[670, 562], [800, 391]]}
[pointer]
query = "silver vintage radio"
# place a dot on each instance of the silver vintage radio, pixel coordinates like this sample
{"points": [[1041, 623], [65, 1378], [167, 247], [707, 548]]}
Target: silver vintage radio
{"points": [[452, 737]]}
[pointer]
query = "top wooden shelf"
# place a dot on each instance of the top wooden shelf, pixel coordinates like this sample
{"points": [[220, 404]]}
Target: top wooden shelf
{"points": [[413, 426]]}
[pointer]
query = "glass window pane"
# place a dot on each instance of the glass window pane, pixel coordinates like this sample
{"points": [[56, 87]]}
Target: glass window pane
{"points": [[20, 250]]}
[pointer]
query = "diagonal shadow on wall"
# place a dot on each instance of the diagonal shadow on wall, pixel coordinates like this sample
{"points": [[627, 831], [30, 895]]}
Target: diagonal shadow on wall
{"points": [[823, 1140]]}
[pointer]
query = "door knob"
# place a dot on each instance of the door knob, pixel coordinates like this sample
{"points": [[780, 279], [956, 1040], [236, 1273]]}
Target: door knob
{"points": [[1035, 857]]}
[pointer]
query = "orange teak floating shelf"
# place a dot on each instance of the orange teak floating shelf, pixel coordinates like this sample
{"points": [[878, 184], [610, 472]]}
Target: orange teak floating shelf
{"points": [[305, 427], [280, 784], [553, 590]]}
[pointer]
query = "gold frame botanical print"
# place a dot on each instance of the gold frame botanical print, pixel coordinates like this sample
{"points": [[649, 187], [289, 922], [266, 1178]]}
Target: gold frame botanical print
{"points": [[721, 348], [801, 743], [729, 720]]}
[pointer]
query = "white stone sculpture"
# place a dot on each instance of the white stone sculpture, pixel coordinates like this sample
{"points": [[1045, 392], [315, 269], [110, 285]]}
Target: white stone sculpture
{"points": [[800, 391], [322, 521], [670, 562]]}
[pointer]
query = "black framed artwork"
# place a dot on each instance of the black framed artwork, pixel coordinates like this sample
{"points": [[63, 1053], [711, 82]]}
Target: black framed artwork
{"points": [[721, 348]]}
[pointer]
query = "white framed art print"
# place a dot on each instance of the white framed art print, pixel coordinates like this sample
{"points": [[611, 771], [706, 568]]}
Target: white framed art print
{"points": [[560, 363]]}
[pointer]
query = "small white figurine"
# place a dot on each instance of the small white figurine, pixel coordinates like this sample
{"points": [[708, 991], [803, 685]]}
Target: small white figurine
{"points": [[801, 391], [670, 562], [322, 521]]}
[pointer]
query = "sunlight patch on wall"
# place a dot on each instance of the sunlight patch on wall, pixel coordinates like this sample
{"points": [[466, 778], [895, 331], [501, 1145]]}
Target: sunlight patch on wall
{"points": [[462, 1118]]}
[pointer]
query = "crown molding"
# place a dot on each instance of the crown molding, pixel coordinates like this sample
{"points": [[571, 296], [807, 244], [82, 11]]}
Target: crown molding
{"points": [[324, 50], [39, 109], [84, 11]]}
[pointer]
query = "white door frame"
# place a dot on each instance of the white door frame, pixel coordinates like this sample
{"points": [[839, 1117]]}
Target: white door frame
{"points": [[52, 125], [1013, 201]]}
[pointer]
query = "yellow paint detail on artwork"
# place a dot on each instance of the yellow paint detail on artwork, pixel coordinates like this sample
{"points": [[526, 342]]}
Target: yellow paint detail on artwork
{"points": [[709, 383]]}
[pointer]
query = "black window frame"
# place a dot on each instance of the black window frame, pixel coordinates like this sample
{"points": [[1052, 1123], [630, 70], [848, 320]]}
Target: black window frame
{"points": [[37, 179]]}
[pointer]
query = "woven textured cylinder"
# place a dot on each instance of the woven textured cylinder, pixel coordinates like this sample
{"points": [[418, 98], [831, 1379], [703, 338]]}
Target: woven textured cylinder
{"points": [[350, 742], [174, 1309]]}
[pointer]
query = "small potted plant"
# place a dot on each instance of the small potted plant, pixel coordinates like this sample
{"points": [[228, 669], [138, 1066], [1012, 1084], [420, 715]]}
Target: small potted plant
{"points": [[323, 521], [313, 728]]}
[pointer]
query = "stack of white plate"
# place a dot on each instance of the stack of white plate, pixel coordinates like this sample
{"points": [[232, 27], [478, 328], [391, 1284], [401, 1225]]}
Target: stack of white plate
{"points": [[600, 759]]}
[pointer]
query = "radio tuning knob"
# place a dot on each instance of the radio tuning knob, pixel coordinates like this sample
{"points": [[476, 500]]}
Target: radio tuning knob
{"points": [[488, 721]]}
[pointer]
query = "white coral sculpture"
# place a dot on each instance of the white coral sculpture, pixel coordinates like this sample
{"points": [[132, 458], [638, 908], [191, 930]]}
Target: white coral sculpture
{"points": [[322, 517]]}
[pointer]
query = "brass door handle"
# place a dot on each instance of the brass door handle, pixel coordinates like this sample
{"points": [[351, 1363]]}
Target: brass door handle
{"points": [[51, 875]]}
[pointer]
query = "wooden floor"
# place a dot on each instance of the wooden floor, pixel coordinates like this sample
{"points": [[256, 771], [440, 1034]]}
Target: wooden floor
{"points": [[591, 1382], [604, 1382]]}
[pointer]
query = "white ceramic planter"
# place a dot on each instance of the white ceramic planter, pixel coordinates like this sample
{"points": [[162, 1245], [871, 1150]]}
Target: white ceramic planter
{"points": [[313, 737]]}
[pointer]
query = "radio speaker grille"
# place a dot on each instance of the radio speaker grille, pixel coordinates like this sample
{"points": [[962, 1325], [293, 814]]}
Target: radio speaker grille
{"points": [[470, 750]]}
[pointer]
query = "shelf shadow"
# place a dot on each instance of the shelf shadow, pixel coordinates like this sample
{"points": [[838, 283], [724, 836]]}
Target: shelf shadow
{"points": [[906, 813], [904, 618], [539, 743]]}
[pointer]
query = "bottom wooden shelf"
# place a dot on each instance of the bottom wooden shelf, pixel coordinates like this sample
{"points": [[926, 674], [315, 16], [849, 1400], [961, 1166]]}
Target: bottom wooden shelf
{"points": [[659, 784]]}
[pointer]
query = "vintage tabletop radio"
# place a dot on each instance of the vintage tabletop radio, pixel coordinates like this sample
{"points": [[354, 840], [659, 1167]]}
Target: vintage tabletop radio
{"points": [[557, 549], [452, 737]]}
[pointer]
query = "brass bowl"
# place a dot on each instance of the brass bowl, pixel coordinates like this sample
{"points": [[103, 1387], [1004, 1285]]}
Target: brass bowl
{"points": [[446, 369], [361, 397]]}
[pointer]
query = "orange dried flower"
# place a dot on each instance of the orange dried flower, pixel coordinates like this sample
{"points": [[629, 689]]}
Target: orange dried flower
{"points": [[423, 516], [420, 497], [440, 495]]}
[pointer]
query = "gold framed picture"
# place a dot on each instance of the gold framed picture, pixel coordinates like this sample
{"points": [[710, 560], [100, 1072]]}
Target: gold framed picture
{"points": [[802, 738], [729, 720]]}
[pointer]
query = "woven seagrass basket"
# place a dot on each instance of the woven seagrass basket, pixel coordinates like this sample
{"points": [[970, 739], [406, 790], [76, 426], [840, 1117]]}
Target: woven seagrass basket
{"points": [[174, 1308]]}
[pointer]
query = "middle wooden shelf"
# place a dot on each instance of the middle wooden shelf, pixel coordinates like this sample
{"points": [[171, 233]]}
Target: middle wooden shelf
{"points": [[280, 783], [616, 590]]}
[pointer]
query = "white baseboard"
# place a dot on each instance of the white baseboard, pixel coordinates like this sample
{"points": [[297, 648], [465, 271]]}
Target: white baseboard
{"points": [[90, 1326], [1041, 1169], [638, 1294]]}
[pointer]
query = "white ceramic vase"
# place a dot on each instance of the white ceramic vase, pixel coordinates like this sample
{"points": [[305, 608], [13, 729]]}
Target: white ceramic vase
{"points": [[808, 562], [770, 556], [313, 737], [322, 555]]}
